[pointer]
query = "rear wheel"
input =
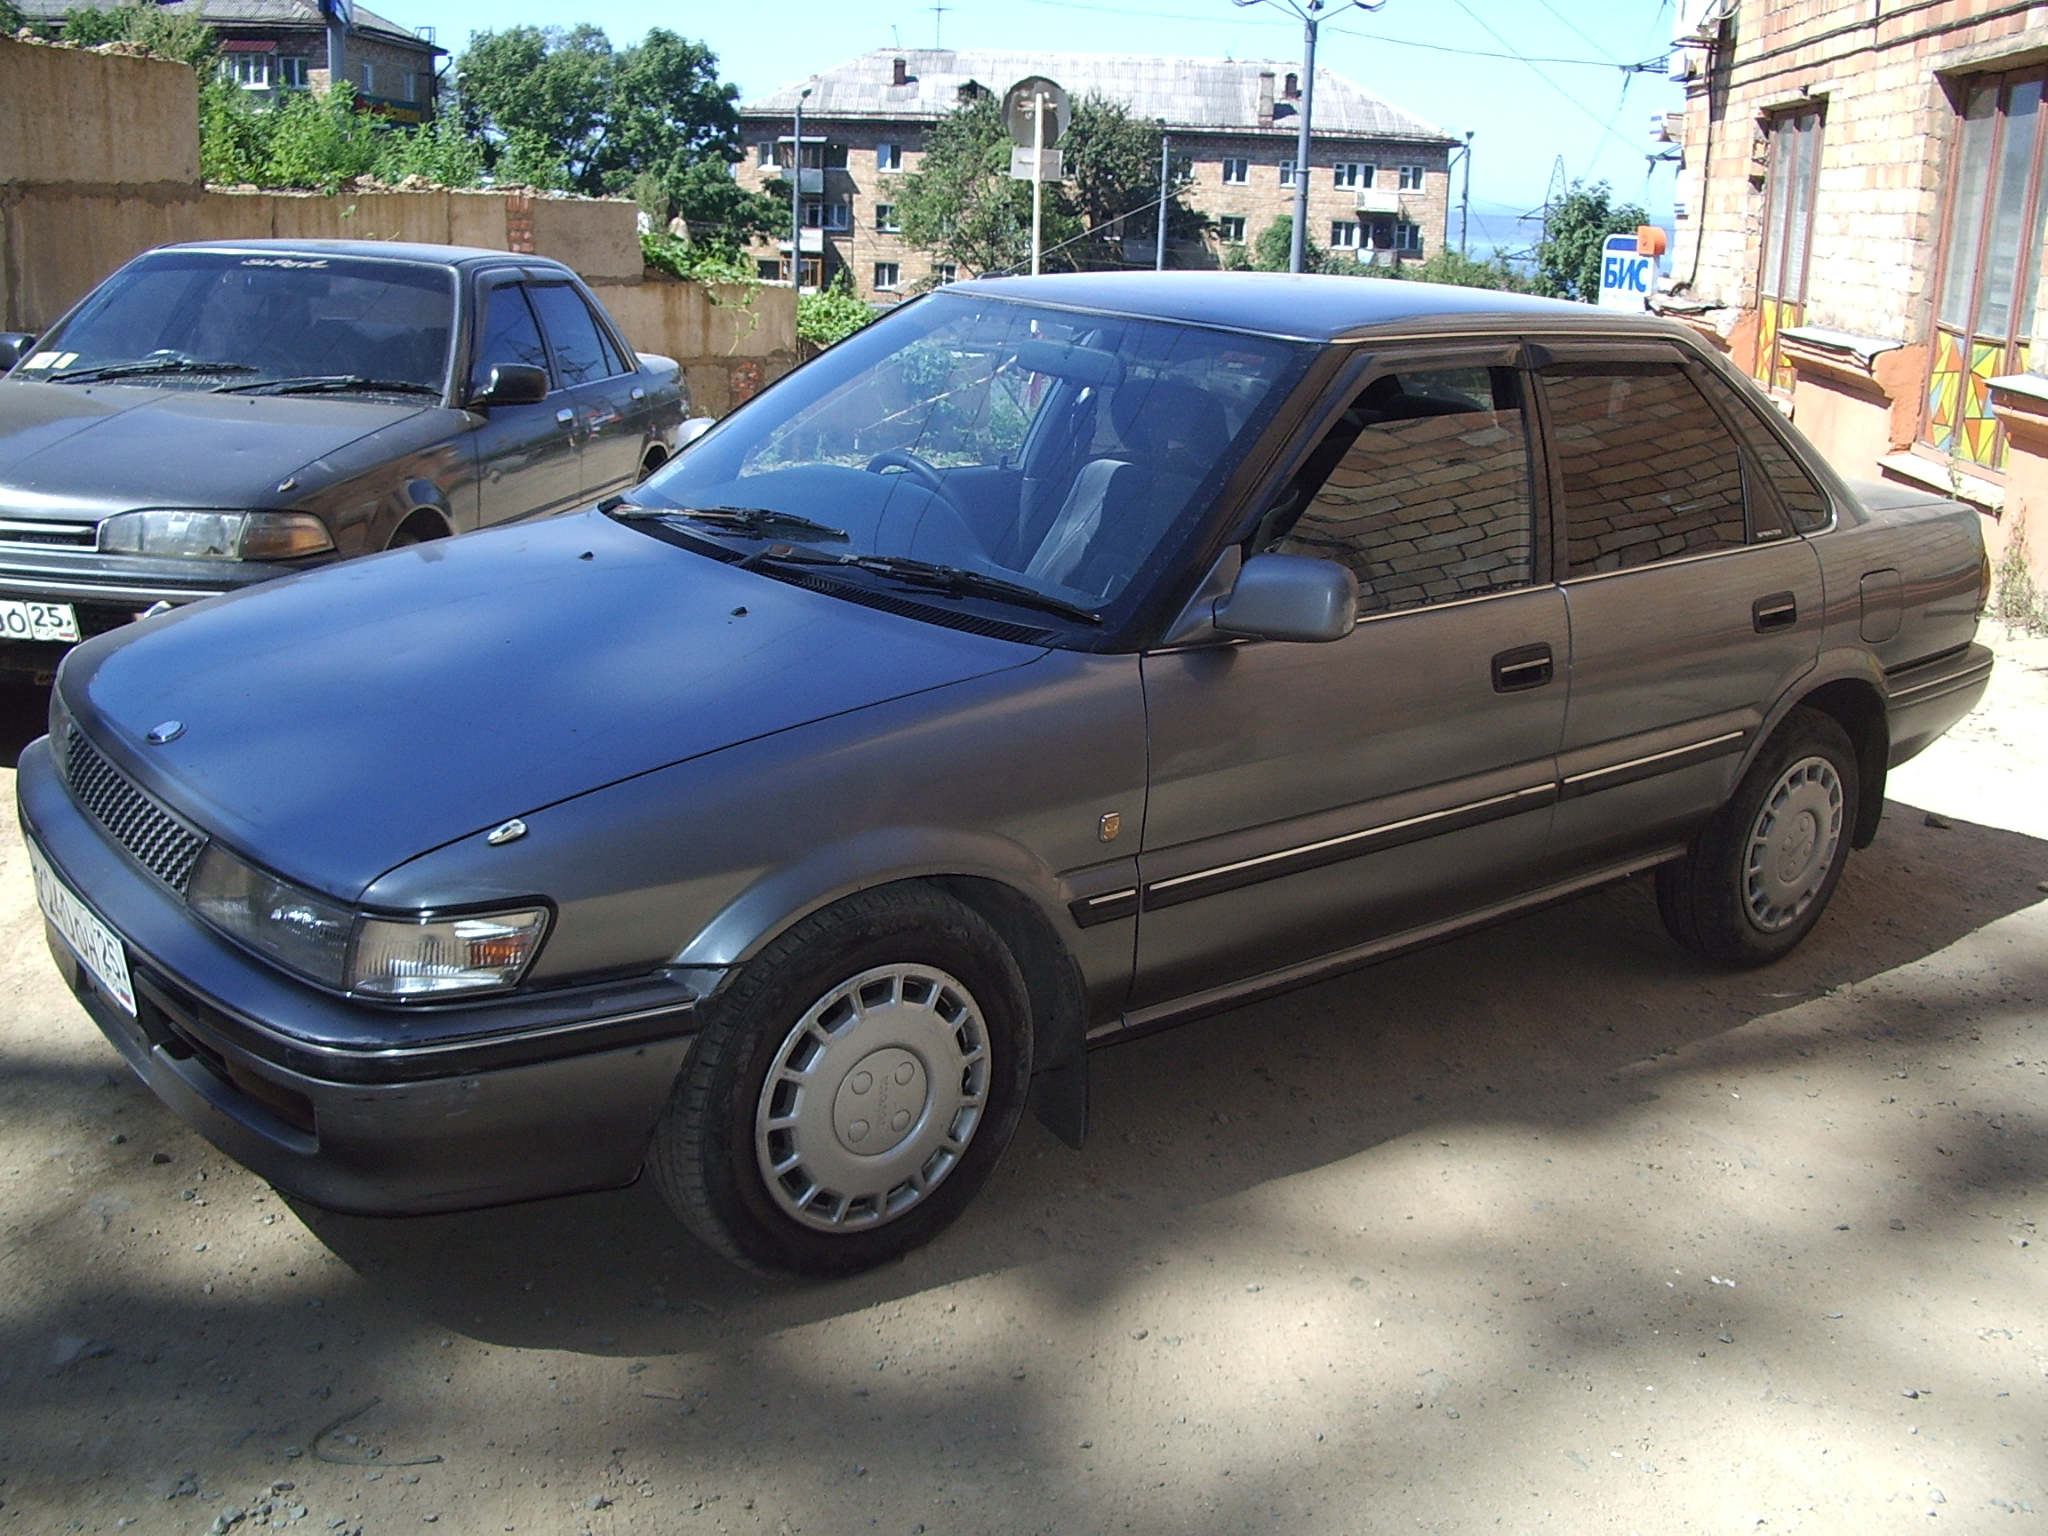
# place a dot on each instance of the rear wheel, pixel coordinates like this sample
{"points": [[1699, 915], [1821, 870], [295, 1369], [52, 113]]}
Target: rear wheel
{"points": [[851, 1089], [1758, 876]]}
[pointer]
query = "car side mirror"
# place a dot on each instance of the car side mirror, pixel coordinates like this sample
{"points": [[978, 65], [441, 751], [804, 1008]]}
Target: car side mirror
{"points": [[14, 346], [513, 384], [693, 429], [1289, 597]]}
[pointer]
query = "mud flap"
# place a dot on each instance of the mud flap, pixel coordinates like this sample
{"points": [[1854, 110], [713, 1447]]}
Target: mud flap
{"points": [[1059, 1098]]}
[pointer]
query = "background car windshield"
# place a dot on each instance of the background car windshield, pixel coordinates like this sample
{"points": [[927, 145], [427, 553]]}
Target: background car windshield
{"points": [[283, 316], [1058, 450]]}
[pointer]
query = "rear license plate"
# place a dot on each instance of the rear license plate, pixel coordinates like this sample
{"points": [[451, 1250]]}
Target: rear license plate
{"points": [[98, 947], [20, 620]]}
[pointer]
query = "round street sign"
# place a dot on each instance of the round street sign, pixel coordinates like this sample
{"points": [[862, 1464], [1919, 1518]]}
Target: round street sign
{"points": [[1059, 111]]}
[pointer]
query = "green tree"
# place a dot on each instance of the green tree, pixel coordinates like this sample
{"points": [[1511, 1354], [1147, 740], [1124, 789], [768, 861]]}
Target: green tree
{"points": [[234, 143], [961, 204], [11, 18], [550, 98], [166, 34], [1568, 256], [1448, 266], [716, 209], [1272, 248], [1113, 163]]}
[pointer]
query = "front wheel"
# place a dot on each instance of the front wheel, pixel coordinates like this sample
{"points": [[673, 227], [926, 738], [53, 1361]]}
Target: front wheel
{"points": [[1758, 876], [851, 1089]]}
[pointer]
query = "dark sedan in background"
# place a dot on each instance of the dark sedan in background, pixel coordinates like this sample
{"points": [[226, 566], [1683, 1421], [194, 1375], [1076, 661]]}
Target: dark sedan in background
{"points": [[212, 416]]}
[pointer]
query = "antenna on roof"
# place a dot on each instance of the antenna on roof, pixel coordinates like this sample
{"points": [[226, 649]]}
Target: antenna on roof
{"points": [[895, 37], [938, 11]]}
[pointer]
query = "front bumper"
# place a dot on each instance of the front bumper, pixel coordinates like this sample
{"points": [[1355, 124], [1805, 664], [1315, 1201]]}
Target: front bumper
{"points": [[373, 1110]]}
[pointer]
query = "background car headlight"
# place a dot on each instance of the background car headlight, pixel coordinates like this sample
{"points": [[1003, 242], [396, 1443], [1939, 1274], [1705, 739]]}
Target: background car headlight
{"points": [[295, 928], [183, 535], [396, 958]]}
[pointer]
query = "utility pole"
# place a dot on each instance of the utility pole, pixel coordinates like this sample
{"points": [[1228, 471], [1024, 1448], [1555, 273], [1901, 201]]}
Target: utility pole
{"points": [[796, 198], [1465, 197], [1311, 13], [1165, 178], [1037, 176]]}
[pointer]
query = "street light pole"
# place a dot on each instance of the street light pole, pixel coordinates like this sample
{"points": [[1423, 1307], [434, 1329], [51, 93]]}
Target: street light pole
{"points": [[1165, 178], [1037, 176], [796, 197], [1311, 13], [1465, 197]]}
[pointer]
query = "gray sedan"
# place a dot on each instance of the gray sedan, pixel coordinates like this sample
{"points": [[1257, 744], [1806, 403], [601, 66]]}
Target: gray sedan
{"points": [[1053, 660], [214, 416]]}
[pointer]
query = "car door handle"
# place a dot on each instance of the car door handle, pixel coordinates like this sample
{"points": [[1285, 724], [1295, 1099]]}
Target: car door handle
{"points": [[565, 415], [1774, 610], [1525, 667]]}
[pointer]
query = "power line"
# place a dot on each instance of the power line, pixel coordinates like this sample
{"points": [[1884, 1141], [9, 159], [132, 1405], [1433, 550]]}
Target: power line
{"points": [[1560, 15], [1606, 129]]}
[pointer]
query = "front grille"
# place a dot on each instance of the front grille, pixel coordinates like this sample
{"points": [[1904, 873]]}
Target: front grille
{"points": [[153, 837]]}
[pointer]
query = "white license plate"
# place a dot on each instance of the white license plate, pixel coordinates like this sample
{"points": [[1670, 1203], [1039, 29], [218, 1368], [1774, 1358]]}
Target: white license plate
{"points": [[21, 620], [97, 946]]}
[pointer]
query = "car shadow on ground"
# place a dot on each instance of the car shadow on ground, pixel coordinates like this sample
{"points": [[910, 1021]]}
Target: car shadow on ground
{"points": [[1532, 1022]]}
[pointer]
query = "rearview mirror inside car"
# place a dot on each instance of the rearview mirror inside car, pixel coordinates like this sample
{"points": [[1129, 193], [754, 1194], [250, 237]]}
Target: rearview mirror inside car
{"points": [[513, 384], [1289, 597]]}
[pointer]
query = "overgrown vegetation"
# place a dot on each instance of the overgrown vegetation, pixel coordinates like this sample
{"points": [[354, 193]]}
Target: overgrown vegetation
{"points": [[831, 314], [696, 261], [1448, 266], [166, 34], [1568, 256], [2017, 600]]}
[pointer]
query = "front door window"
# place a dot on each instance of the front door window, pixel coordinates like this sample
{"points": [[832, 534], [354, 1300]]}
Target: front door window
{"points": [[1991, 266]]}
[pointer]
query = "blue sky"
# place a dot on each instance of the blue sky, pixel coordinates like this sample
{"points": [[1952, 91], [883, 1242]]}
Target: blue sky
{"points": [[1572, 101]]}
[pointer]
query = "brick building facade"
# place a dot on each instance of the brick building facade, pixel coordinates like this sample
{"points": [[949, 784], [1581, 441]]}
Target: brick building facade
{"points": [[1379, 184], [1863, 202]]}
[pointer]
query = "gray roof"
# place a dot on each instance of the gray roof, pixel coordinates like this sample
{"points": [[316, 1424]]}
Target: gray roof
{"points": [[252, 13], [1220, 95]]}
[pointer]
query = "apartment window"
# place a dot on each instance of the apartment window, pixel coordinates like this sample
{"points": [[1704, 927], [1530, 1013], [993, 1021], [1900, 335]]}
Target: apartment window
{"points": [[1344, 235], [1235, 171], [813, 270], [832, 157], [888, 157], [251, 71], [1286, 173], [291, 72], [1349, 174], [1407, 237], [1990, 264], [366, 77], [764, 154], [838, 216], [887, 275], [1231, 227], [408, 86], [814, 215], [1788, 238], [885, 219], [772, 270], [1411, 178], [946, 272]]}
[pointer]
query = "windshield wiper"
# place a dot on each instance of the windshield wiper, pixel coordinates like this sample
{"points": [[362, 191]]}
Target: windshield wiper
{"points": [[330, 384], [148, 365], [759, 521], [952, 580]]}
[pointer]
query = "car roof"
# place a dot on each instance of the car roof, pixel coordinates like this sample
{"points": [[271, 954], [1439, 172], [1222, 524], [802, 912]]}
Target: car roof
{"points": [[1308, 306], [387, 250]]}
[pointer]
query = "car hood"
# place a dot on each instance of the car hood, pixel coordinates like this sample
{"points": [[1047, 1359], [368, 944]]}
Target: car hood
{"points": [[82, 451], [339, 723]]}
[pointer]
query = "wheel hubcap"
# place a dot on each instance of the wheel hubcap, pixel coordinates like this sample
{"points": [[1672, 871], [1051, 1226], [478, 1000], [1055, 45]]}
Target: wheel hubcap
{"points": [[872, 1098], [1792, 844]]}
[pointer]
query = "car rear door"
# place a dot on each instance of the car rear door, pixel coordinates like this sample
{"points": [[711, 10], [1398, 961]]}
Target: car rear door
{"points": [[609, 420], [1309, 800], [528, 457], [1694, 603]]}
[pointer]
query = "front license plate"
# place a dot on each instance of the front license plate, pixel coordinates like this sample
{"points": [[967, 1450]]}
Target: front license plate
{"points": [[98, 947], [21, 620]]}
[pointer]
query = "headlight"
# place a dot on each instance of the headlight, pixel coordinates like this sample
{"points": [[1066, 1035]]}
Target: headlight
{"points": [[215, 535], [395, 959], [431, 958]]}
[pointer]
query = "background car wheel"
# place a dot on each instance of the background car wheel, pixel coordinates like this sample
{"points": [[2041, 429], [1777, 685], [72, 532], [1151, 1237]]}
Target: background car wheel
{"points": [[851, 1089], [654, 460], [417, 529], [1759, 875]]}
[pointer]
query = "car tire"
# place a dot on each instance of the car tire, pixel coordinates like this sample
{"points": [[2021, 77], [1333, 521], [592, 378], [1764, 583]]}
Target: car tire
{"points": [[851, 1089], [1758, 876]]}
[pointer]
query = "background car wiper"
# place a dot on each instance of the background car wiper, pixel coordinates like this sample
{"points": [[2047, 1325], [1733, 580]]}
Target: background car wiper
{"points": [[330, 384], [950, 579], [148, 365], [756, 520]]}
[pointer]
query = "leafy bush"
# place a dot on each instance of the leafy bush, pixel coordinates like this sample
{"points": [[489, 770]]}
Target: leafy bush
{"points": [[695, 262], [1448, 266], [832, 314], [163, 33]]}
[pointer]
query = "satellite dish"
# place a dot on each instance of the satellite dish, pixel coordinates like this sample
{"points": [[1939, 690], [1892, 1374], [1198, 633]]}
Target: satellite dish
{"points": [[1017, 107]]}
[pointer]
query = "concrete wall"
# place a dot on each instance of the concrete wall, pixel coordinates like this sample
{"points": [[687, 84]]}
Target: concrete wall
{"points": [[116, 171]]}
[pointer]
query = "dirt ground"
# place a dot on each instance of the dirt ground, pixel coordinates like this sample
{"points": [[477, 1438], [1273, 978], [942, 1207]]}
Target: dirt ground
{"points": [[1548, 1229]]}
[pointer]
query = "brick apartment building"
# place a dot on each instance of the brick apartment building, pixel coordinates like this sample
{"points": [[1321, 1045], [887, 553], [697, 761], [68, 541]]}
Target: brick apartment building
{"points": [[268, 46], [1379, 185], [1863, 201]]}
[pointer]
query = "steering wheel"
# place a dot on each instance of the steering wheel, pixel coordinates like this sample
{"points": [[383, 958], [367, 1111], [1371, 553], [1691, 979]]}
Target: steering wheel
{"points": [[915, 467]]}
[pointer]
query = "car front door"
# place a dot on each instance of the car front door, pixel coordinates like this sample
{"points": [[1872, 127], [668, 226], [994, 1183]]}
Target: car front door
{"points": [[1694, 600], [608, 419], [1311, 801], [528, 457]]}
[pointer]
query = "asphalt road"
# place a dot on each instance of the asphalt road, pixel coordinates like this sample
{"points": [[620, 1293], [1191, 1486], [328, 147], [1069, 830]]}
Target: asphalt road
{"points": [[1548, 1228]]}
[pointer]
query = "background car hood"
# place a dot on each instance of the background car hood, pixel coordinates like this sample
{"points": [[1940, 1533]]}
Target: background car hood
{"points": [[342, 722], [79, 451]]}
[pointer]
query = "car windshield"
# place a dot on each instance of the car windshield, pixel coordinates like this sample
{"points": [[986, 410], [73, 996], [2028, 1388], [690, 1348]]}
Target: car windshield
{"points": [[250, 320], [1061, 455]]}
